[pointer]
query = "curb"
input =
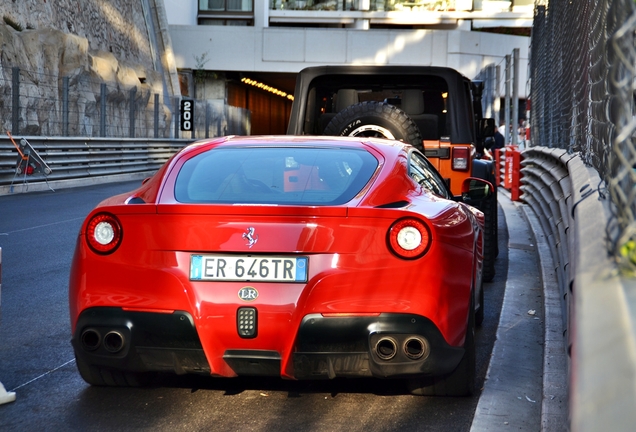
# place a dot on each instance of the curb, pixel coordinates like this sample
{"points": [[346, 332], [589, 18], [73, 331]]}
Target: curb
{"points": [[554, 407], [514, 367]]}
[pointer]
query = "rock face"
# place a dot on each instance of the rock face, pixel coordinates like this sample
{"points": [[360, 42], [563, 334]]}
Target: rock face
{"points": [[116, 26], [93, 48]]}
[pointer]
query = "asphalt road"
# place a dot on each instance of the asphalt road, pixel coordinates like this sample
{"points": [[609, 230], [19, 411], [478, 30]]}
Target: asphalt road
{"points": [[37, 235]]}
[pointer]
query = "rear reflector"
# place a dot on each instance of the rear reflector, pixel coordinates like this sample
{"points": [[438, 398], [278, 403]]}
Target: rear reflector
{"points": [[461, 156], [246, 322]]}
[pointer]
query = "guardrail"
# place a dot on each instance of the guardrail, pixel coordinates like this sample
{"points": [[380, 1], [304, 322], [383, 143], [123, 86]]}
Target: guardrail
{"points": [[85, 158], [599, 306]]}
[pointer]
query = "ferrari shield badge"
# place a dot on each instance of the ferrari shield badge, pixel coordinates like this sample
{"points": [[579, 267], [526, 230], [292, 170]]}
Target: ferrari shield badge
{"points": [[250, 237], [248, 294]]}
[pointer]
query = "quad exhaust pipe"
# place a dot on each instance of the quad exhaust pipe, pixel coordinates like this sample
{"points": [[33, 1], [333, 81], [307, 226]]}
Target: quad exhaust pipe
{"points": [[414, 348], [112, 342]]}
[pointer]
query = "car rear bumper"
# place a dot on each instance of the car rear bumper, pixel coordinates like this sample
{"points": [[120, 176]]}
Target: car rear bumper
{"points": [[387, 345], [139, 341]]}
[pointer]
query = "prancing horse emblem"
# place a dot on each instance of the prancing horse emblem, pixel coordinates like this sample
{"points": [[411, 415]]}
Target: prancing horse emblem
{"points": [[249, 236]]}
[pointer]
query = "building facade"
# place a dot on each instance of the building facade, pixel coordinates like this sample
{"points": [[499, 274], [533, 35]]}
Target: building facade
{"points": [[224, 48]]}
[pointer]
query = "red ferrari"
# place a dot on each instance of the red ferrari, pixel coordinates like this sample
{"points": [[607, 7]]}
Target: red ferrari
{"points": [[297, 257]]}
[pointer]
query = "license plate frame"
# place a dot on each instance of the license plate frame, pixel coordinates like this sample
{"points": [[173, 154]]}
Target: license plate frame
{"points": [[248, 268]]}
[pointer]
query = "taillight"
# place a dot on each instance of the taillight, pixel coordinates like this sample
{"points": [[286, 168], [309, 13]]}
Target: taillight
{"points": [[103, 233], [461, 157], [409, 238]]}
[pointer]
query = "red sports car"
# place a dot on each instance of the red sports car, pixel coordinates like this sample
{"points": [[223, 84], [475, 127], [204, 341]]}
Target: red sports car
{"points": [[298, 257]]}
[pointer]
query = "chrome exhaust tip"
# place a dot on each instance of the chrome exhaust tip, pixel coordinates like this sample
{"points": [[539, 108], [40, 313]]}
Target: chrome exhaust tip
{"points": [[113, 341], [416, 348], [386, 348], [90, 339]]}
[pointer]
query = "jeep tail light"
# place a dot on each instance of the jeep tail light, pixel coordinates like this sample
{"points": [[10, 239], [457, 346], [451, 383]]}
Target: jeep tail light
{"points": [[461, 156], [103, 233], [409, 238]]}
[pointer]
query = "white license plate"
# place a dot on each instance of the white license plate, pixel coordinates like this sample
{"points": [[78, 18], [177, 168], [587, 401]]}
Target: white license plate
{"points": [[248, 268]]}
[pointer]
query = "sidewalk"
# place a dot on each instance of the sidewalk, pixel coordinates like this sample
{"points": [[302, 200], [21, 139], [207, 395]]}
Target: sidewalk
{"points": [[526, 383]]}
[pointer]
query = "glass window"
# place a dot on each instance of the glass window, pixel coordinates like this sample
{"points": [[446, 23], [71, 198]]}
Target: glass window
{"points": [[226, 5], [209, 21], [212, 5], [225, 22], [275, 175], [426, 176], [429, 110]]}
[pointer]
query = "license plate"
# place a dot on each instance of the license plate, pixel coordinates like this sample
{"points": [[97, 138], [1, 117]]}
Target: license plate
{"points": [[248, 268]]}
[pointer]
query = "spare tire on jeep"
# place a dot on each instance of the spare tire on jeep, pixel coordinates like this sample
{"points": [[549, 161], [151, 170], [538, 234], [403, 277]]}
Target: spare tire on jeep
{"points": [[375, 119]]}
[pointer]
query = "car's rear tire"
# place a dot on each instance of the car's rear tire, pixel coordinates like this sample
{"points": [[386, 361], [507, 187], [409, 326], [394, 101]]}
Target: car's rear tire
{"points": [[99, 376], [375, 119], [460, 382]]}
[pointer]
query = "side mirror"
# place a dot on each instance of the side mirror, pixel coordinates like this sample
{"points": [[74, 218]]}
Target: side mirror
{"points": [[475, 190], [487, 127]]}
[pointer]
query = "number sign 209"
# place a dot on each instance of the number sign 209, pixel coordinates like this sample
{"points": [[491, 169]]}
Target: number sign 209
{"points": [[187, 114]]}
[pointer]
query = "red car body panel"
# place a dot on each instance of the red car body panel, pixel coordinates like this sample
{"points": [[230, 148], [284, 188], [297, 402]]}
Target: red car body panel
{"points": [[351, 270]]}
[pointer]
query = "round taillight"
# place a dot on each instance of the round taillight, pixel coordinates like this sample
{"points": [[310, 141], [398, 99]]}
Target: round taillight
{"points": [[103, 233], [409, 238]]}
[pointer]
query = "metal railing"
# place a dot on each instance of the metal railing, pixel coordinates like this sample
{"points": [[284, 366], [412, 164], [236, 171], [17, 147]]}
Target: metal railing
{"points": [[83, 158], [580, 178], [583, 81], [597, 303]]}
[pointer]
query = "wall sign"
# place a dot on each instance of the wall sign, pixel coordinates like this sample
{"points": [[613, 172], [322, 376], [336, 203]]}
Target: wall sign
{"points": [[187, 114]]}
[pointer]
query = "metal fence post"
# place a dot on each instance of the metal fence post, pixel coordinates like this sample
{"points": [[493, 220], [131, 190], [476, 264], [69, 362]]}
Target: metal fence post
{"points": [[15, 99], [515, 96], [507, 101], [65, 120], [177, 115], [102, 110], [133, 92], [497, 107], [207, 120], [156, 115]]}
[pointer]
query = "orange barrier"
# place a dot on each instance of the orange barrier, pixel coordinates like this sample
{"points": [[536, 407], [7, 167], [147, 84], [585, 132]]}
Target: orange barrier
{"points": [[508, 170], [512, 177]]}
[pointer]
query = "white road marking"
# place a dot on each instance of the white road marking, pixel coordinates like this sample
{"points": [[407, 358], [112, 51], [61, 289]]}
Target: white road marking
{"points": [[43, 375], [42, 226]]}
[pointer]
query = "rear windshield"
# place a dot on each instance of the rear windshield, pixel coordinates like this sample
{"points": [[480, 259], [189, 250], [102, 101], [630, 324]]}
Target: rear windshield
{"points": [[275, 175]]}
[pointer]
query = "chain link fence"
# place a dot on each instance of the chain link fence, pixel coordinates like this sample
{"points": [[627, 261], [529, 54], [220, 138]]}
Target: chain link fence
{"points": [[40, 104], [583, 75]]}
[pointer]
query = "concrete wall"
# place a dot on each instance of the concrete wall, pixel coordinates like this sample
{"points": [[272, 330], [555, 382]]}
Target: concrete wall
{"points": [[180, 12]]}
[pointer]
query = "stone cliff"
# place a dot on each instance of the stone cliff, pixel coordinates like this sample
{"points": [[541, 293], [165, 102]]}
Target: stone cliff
{"points": [[123, 44]]}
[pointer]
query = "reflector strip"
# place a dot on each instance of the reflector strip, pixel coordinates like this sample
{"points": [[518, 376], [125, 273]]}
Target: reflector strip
{"points": [[343, 314], [161, 311]]}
